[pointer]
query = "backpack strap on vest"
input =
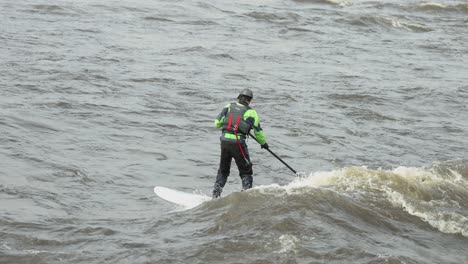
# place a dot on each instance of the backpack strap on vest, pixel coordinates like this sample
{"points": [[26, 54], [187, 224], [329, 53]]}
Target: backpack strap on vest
{"points": [[236, 128]]}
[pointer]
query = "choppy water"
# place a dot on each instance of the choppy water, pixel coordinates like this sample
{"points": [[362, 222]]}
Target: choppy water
{"points": [[102, 100]]}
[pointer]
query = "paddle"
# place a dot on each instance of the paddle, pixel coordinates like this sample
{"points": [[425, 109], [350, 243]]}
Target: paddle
{"points": [[276, 156]]}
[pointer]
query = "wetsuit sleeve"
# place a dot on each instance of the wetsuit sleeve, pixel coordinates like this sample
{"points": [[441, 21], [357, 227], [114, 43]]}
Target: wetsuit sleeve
{"points": [[219, 121], [251, 116]]}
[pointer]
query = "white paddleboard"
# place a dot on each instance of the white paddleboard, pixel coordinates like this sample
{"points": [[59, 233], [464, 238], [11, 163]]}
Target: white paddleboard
{"points": [[188, 200]]}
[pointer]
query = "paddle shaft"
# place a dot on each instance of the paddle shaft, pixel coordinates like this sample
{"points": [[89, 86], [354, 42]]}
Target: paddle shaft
{"points": [[276, 156]]}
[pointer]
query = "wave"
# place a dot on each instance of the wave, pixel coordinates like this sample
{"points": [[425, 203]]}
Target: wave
{"points": [[327, 2], [400, 215], [386, 22], [438, 7], [431, 7], [46, 9], [159, 19], [435, 197], [277, 18]]}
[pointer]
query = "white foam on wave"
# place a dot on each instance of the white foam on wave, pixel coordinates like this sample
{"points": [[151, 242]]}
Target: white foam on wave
{"points": [[432, 5], [5, 246], [298, 185], [341, 3], [418, 191], [430, 212], [288, 243]]}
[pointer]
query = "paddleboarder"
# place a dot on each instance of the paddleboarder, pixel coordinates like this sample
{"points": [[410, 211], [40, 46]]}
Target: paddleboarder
{"points": [[236, 120]]}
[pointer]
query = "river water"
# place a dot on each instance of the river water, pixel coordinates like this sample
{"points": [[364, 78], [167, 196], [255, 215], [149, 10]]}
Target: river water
{"points": [[103, 100]]}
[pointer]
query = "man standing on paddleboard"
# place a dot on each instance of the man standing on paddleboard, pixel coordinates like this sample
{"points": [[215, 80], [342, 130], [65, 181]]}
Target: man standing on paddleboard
{"points": [[236, 120]]}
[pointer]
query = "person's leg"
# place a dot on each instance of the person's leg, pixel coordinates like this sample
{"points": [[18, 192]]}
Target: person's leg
{"points": [[224, 169], [243, 165]]}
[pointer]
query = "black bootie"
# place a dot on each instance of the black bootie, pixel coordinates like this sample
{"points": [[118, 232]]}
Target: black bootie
{"points": [[246, 182], [217, 192]]}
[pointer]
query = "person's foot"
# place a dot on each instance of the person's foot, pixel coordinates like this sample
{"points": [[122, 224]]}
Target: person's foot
{"points": [[216, 194]]}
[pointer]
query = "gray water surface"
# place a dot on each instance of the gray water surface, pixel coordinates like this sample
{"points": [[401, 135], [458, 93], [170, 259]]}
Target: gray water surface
{"points": [[102, 101]]}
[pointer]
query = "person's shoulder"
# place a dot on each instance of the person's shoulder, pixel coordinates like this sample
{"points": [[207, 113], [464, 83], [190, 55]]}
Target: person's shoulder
{"points": [[250, 108], [251, 111]]}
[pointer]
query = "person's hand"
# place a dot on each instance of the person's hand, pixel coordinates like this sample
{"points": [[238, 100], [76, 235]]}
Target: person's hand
{"points": [[265, 146]]}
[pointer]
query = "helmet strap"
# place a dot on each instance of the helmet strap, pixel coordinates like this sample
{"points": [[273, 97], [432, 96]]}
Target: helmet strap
{"points": [[244, 99]]}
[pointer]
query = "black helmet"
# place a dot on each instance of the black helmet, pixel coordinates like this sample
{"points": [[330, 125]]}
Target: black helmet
{"points": [[246, 92]]}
